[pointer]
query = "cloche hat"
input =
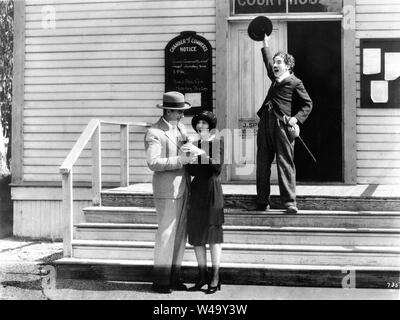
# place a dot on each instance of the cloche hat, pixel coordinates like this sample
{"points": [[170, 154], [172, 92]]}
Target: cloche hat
{"points": [[207, 116]]}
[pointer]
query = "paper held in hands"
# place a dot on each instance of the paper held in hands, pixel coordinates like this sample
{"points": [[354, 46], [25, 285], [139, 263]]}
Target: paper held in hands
{"points": [[189, 147]]}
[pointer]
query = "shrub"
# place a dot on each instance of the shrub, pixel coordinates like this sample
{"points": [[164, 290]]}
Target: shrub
{"points": [[6, 71]]}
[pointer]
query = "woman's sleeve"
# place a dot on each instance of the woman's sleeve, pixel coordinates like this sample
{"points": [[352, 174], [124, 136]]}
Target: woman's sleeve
{"points": [[217, 160]]}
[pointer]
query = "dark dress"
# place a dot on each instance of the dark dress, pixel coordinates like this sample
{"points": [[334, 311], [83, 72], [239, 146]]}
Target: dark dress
{"points": [[206, 204]]}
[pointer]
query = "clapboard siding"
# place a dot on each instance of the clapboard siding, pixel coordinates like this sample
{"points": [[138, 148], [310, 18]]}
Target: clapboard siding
{"points": [[95, 39], [81, 178], [104, 59], [55, 154], [123, 46], [378, 133], [43, 218], [109, 7]]}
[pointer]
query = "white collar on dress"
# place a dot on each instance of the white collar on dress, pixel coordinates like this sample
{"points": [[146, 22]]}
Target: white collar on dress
{"points": [[209, 139]]}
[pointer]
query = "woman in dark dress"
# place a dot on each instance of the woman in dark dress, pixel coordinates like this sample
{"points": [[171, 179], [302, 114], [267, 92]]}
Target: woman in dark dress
{"points": [[206, 204]]}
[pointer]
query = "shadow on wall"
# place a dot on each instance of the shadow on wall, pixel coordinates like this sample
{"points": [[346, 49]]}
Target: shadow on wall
{"points": [[6, 207]]}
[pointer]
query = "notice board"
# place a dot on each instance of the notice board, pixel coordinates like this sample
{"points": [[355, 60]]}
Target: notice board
{"points": [[188, 69], [380, 73]]}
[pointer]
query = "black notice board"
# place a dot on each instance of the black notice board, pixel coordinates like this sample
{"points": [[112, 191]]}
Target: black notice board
{"points": [[188, 69], [378, 73]]}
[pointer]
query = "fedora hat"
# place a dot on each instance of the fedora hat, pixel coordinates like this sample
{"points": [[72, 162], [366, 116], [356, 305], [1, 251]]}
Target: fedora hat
{"points": [[207, 116], [174, 100], [259, 27]]}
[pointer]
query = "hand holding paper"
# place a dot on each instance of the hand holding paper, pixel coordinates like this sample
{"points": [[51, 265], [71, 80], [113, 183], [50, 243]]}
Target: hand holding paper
{"points": [[189, 147]]}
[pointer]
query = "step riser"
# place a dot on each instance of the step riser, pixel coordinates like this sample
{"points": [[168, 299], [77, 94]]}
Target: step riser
{"points": [[237, 276], [317, 221], [237, 201], [250, 256], [120, 217], [320, 221], [265, 237]]}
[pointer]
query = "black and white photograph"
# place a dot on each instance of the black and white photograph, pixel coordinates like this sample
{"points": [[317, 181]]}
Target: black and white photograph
{"points": [[197, 155]]}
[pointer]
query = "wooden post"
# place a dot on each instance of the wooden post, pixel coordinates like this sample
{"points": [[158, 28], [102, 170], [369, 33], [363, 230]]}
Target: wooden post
{"points": [[222, 85], [124, 155], [17, 113], [68, 213], [349, 114], [96, 165]]}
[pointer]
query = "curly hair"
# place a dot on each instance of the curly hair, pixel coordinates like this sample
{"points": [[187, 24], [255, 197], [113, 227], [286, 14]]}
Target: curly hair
{"points": [[287, 58]]}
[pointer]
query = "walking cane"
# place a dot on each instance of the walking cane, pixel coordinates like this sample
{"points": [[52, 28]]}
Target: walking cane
{"points": [[294, 133], [308, 150]]}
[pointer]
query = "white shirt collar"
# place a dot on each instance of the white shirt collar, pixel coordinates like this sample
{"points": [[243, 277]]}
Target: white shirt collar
{"points": [[169, 125], [283, 76]]}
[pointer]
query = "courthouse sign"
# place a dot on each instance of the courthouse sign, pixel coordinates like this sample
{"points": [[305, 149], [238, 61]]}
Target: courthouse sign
{"points": [[286, 6]]}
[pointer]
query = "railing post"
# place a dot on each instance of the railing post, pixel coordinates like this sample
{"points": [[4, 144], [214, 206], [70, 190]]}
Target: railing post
{"points": [[124, 158], [68, 213], [96, 166]]}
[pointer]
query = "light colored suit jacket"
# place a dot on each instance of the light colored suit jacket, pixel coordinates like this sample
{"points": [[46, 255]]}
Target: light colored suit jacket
{"points": [[170, 178]]}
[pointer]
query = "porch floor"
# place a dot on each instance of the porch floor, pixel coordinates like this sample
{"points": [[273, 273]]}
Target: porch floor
{"points": [[357, 191]]}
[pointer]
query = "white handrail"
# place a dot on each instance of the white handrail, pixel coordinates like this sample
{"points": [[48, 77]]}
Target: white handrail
{"points": [[92, 133], [79, 146]]}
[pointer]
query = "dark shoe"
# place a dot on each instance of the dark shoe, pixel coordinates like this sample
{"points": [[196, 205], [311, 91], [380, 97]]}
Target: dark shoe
{"points": [[178, 286], [292, 209], [161, 288], [212, 290], [262, 207], [199, 285]]}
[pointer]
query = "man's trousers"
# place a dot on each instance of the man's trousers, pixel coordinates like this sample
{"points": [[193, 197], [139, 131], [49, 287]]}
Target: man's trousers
{"points": [[272, 139], [170, 238]]}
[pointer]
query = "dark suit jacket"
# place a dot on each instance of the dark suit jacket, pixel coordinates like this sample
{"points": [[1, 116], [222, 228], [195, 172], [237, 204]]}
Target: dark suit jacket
{"points": [[289, 96]]}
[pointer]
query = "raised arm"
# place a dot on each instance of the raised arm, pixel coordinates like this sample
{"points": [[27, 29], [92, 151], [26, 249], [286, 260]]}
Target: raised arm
{"points": [[218, 160], [268, 58]]}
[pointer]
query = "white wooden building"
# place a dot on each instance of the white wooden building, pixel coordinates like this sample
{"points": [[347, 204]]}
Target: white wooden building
{"points": [[104, 59]]}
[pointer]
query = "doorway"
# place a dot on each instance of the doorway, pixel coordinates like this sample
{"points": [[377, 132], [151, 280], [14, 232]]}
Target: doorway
{"points": [[316, 47]]}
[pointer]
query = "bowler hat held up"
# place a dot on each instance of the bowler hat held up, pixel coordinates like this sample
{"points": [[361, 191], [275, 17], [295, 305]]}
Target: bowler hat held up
{"points": [[259, 27]]}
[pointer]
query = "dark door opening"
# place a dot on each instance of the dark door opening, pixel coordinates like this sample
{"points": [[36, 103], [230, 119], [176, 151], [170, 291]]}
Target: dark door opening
{"points": [[316, 47]]}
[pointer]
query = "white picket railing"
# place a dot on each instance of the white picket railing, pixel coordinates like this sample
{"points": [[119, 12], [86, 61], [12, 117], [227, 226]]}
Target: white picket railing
{"points": [[91, 133]]}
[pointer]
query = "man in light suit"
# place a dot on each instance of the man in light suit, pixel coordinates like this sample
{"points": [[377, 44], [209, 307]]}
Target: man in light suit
{"points": [[166, 157]]}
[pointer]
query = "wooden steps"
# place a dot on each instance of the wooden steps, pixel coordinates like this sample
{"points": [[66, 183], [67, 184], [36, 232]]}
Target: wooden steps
{"points": [[305, 202], [315, 247], [250, 253], [235, 273], [251, 234], [275, 218]]}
